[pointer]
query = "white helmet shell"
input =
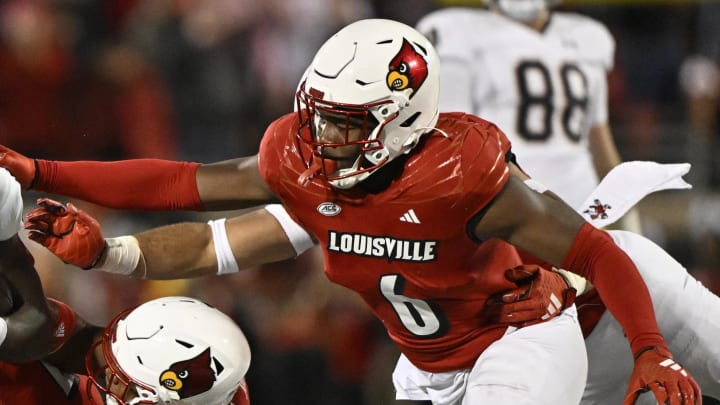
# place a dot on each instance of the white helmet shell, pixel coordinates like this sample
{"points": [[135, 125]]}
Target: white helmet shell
{"points": [[178, 350], [383, 69]]}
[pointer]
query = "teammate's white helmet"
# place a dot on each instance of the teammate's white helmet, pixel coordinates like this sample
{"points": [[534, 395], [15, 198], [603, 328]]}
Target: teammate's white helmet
{"points": [[522, 10], [382, 73], [174, 350], [11, 205]]}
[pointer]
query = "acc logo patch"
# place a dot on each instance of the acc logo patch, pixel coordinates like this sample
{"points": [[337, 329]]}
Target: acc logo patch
{"points": [[407, 70], [329, 209]]}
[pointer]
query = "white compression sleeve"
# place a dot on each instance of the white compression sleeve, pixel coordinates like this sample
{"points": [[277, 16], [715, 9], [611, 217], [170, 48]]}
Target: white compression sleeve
{"points": [[299, 238], [225, 257]]}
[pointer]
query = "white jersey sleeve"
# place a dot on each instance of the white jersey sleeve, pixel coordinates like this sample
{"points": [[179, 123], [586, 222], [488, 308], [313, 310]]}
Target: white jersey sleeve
{"points": [[595, 43]]}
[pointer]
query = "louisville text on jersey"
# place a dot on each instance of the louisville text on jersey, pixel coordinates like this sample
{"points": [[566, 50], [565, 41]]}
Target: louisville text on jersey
{"points": [[382, 247]]}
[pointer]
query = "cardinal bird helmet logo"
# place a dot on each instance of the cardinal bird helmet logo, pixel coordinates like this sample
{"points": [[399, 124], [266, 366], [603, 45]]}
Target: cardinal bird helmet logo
{"points": [[407, 70], [189, 377]]}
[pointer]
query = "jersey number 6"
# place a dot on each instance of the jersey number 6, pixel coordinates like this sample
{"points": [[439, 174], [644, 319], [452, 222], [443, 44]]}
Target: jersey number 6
{"points": [[422, 318]]}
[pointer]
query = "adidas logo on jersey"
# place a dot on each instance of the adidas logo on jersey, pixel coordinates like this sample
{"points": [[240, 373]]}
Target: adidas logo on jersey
{"points": [[410, 216], [60, 331]]}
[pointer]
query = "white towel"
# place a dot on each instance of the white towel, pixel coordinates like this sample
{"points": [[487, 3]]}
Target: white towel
{"points": [[628, 183]]}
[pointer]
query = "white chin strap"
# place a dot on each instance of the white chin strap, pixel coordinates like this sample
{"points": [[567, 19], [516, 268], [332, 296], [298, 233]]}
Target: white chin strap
{"points": [[348, 182], [522, 10], [143, 395]]}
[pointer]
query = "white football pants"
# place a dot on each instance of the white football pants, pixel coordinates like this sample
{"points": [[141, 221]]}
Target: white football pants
{"points": [[543, 364]]}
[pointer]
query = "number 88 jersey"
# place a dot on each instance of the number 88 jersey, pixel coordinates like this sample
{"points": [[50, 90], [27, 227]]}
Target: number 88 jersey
{"points": [[545, 89]]}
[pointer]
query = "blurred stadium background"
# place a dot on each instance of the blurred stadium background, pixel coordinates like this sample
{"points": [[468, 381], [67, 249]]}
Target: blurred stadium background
{"points": [[200, 79]]}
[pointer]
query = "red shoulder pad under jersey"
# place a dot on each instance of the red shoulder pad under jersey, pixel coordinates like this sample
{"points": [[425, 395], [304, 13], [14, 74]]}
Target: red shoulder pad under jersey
{"points": [[280, 163], [483, 152], [468, 164], [278, 148], [64, 324]]}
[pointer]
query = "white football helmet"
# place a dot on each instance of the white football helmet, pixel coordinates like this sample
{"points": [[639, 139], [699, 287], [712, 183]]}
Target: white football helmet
{"points": [[382, 73], [174, 350], [11, 205], [522, 10]]}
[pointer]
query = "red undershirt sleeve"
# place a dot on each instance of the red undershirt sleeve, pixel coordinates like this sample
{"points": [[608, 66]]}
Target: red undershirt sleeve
{"points": [[595, 256], [137, 184]]}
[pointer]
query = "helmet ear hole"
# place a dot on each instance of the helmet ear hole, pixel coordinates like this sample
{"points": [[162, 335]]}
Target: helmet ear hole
{"points": [[408, 122], [218, 366]]}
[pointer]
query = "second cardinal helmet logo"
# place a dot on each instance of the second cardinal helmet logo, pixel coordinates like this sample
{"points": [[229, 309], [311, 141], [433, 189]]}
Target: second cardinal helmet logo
{"points": [[408, 69]]}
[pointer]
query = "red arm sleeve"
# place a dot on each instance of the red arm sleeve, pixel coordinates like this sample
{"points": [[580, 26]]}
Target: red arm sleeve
{"points": [[137, 184], [595, 256]]}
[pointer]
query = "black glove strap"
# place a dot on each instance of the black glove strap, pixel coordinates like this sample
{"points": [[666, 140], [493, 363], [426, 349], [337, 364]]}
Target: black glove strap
{"points": [[643, 350], [102, 253], [36, 177]]}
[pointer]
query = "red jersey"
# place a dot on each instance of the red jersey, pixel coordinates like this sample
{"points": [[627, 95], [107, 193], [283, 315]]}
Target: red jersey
{"points": [[242, 396], [36, 383], [406, 250]]}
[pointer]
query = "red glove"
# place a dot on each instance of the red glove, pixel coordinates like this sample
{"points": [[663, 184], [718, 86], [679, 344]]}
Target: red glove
{"points": [[21, 167], [541, 294], [71, 234], [656, 371]]}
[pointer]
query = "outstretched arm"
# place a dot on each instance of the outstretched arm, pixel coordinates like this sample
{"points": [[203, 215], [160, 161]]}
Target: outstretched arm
{"points": [[145, 184], [182, 250], [189, 249]]}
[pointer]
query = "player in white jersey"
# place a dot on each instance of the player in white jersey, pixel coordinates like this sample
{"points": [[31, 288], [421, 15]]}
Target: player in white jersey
{"points": [[541, 77]]}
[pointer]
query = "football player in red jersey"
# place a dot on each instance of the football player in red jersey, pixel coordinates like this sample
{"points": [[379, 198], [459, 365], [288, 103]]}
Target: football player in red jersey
{"points": [[416, 211], [47, 354]]}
